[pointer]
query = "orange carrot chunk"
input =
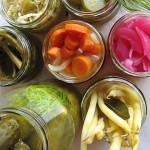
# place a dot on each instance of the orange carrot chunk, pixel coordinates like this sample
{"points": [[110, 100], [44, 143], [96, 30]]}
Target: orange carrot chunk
{"points": [[68, 69], [66, 53], [58, 37], [76, 28], [97, 49], [81, 65], [71, 42], [54, 52], [86, 44]]}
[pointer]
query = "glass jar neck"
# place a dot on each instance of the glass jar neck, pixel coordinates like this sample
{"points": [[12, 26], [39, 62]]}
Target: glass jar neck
{"points": [[32, 118]]}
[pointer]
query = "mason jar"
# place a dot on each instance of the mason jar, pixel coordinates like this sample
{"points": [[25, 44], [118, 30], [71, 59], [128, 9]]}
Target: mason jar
{"points": [[128, 44], [121, 111], [103, 14], [42, 116], [94, 56], [20, 60], [33, 16]]}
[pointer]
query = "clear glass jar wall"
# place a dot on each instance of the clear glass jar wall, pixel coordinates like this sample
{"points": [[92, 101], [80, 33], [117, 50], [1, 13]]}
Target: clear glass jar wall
{"points": [[44, 116], [20, 59]]}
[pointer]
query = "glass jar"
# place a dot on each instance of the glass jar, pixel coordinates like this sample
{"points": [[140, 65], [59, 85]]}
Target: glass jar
{"points": [[20, 60], [34, 16], [42, 116], [135, 5], [105, 13], [57, 67], [116, 98], [128, 44]]}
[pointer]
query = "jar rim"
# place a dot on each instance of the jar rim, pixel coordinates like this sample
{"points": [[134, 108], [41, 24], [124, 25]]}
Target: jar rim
{"points": [[110, 41], [39, 124], [70, 79], [26, 54]]}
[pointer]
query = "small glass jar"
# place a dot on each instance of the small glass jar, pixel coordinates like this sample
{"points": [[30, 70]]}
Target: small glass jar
{"points": [[20, 60], [34, 16], [116, 89], [42, 116], [128, 46], [102, 15], [96, 59]]}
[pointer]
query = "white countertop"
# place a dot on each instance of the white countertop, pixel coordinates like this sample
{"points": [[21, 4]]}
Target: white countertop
{"points": [[108, 69]]}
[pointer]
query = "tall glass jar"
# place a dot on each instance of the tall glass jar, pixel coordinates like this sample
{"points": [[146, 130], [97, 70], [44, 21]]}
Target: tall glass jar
{"points": [[121, 110], [20, 59], [32, 15], [42, 116], [102, 15]]}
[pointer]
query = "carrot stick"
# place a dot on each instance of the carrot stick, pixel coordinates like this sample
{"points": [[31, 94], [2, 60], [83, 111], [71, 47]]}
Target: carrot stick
{"points": [[54, 52], [76, 28], [58, 37], [66, 53], [97, 49], [81, 65], [71, 42]]}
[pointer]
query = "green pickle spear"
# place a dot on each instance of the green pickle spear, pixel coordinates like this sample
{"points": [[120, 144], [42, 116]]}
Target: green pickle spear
{"points": [[93, 5]]}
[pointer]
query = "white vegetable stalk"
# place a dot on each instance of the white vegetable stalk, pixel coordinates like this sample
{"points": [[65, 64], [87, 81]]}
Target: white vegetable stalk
{"points": [[91, 129], [130, 120], [114, 117], [88, 119], [116, 141], [137, 117]]}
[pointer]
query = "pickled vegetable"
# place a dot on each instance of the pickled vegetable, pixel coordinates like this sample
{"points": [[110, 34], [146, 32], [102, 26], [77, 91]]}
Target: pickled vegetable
{"points": [[76, 49], [57, 105], [119, 115], [24, 11], [88, 5], [11, 56]]}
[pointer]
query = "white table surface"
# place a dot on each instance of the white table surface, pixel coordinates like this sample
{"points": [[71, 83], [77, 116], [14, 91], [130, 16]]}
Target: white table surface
{"points": [[108, 69]]}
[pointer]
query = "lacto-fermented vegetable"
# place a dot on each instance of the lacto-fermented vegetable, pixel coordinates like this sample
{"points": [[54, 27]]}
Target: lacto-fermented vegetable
{"points": [[129, 43], [32, 15], [113, 109], [73, 50], [88, 5], [19, 59], [25, 11], [42, 116], [134, 5]]}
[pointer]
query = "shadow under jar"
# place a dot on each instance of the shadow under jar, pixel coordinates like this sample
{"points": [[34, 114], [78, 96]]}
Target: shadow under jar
{"points": [[42, 116], [129, 42], [19, 59], [92, 11], [73, 51], [113, 109], [32, 15]]}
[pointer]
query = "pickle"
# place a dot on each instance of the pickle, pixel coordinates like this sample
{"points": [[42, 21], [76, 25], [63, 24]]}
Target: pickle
{"points": [[9, 132]]}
